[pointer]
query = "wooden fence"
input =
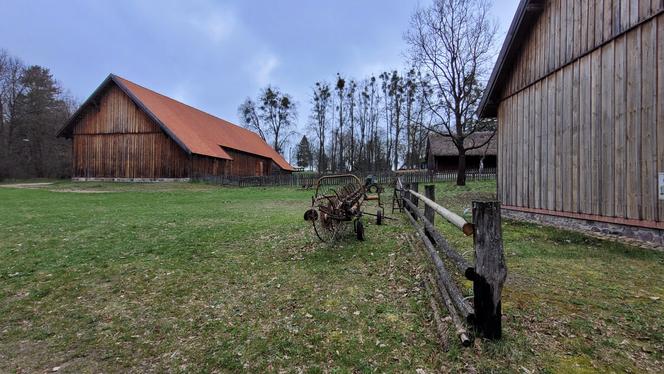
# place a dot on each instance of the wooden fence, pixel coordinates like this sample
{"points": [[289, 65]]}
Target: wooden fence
{"points": [[487, 274], [303, 180]]}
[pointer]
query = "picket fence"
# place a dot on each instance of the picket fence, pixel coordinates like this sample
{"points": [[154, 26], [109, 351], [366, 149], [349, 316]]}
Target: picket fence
{"points": [[386, 178]]}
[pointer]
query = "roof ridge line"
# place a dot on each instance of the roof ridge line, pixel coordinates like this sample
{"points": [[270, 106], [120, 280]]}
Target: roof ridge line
{"points": [[180, 102]]}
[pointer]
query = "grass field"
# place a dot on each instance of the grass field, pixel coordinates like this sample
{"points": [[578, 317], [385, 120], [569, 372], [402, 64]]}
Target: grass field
{"points": [[192, 277]]}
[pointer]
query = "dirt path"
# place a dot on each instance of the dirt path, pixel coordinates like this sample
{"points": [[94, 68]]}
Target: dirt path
{"points": [[27, 185]]}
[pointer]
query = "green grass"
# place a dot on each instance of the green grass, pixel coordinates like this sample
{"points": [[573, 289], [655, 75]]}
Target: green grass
{"points": [[191, 277]]}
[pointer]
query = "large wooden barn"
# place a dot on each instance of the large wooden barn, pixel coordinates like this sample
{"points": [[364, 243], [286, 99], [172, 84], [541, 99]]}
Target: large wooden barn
{"points": [[128, 132], [578, 92]]}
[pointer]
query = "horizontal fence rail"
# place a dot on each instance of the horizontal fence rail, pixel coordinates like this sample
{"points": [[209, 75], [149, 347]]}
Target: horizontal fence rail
{"points": [[488, 274], [451, 217], [304, 180]]}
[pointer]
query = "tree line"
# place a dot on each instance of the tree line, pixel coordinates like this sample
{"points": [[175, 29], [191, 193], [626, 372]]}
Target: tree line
{"points": [[33, 106], [369, 124], [382, 122]]}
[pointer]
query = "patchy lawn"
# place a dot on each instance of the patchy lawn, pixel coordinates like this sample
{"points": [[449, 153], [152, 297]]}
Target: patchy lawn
{"points": [[192, 277]]}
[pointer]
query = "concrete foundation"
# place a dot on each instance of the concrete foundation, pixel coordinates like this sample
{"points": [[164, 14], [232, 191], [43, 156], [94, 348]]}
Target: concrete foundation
{"points": [[639, 236]]}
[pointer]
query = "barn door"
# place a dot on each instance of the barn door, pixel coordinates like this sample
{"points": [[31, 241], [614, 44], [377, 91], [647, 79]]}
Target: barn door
{"points": [[259, 169]]}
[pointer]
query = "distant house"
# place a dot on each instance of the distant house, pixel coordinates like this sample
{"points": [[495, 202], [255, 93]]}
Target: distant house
{"points": [[578, 91], [128, 132], [443, 155]]}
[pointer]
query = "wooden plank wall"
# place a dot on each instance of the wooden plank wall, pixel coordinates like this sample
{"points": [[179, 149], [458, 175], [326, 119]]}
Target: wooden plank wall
{"points": [[202, 166], [245, 164], [589, 138], [144, 155], [116, 139], [568, 29], [115, 113]]}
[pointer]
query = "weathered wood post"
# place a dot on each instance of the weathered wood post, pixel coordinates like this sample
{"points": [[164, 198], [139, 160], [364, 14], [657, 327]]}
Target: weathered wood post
{"points": [[490, 268], [429, 213], [406, 195], [415, 187]]}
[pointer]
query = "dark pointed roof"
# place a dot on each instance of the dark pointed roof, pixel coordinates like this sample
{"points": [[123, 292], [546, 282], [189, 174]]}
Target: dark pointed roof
{"points": [[440, 145]]}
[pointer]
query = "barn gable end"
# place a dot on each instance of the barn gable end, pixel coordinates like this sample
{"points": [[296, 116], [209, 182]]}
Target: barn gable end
{"points": [[114, 138]]}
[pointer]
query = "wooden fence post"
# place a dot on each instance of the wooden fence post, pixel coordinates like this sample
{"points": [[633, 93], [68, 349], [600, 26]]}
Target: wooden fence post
{"points": [[490, 268], [429, 213], [406, 194], [415, 187]]}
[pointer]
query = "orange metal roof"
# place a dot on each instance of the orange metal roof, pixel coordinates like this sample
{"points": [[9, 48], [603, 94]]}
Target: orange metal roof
{"points": [[196, 131], [202, 133]]}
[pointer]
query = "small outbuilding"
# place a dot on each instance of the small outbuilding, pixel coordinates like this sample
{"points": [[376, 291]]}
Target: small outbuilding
{"points": [[127, 132], [443, 155], [578, 92]]}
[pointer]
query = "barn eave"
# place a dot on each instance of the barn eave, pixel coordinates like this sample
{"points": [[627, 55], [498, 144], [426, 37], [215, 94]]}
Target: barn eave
{"points": [[526, 15], [65, 131]]}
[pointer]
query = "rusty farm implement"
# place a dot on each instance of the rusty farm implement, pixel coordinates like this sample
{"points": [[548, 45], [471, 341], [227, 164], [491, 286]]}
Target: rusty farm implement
{"points": [[338, 202]]}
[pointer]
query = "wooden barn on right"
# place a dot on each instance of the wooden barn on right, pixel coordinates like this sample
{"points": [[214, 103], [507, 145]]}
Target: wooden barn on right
{"points": [[578, 91]]}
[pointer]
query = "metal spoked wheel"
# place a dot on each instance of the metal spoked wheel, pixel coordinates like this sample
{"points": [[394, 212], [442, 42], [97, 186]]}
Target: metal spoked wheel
{"points": [[327, 228], [336, 206]]}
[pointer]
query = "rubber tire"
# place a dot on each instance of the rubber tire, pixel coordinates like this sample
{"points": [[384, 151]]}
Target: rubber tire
{"points": [[359, 230], [379, 217]]}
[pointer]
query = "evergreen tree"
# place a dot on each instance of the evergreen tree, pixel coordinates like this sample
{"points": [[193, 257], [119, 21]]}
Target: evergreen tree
{"points": [[304, 156], [32, 110]]}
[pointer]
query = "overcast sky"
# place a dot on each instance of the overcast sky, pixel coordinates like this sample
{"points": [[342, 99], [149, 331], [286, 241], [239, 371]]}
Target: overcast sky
{"points": [[213, 54]]}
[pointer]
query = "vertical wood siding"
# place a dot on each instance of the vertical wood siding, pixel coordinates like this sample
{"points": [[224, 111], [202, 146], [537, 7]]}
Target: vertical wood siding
{"points": [[203, 166], [116, 139], [245, 164], [589, 137], [144, 155], [115, 113], [568, 29]]}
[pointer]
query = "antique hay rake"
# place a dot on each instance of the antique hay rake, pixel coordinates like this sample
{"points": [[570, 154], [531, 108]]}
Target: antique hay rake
{"points": [[339, 200]]}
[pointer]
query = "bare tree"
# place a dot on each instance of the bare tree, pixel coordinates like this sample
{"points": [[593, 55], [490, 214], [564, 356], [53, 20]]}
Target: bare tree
{"points": [[374, 118], [352, 87], [273, 116], [248, 112], [321, 105], [452, 41], [423, 117], [410, 89], [389, 115], [363, 122], [11, 88], [396, 92], [341, 88]]}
